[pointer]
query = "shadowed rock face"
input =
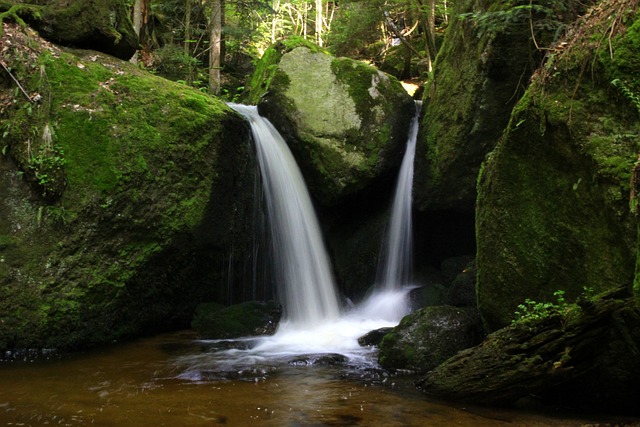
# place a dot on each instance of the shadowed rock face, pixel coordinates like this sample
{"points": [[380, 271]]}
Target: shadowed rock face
{"points": [[123, 195], [585, 357], [102, 25], [553, 197], [482, 69], [345, 122]]}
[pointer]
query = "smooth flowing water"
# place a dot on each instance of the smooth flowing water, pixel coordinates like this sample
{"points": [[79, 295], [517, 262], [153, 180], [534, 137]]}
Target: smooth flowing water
{"points": [[147, 383], [303, 272], [313, 323], [396, 263], [312, 372]]}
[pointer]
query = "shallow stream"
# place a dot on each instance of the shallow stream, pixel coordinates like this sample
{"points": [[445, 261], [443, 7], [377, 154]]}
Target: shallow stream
{"points": [[172, 380]]}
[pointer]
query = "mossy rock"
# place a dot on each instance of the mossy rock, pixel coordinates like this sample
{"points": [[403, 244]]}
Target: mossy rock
{"points": [[266, 67], [345, 121], [103, 25], [429, 336], [552, 211], [585, 357], [158, 186], [252, 318], [480, 72]]}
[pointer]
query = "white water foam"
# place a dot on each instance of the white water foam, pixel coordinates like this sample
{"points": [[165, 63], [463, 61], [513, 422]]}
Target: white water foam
{"points": [[303, 270], [397, 256], [312, 324]]}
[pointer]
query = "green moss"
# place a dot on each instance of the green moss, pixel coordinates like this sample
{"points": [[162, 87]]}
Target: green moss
{"points": [[267, 66], [556, 189], [139, 158], [215, 321]]}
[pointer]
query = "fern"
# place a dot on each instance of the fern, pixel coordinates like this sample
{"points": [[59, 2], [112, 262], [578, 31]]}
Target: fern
{"points": [[627, 92]]}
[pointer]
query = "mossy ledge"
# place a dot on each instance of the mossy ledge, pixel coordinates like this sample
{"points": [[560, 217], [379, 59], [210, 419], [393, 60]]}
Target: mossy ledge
{"points": [[123, 193]]}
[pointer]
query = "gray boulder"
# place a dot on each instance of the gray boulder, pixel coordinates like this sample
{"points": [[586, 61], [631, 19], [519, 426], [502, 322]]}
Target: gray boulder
{"points": [[345, 121]]}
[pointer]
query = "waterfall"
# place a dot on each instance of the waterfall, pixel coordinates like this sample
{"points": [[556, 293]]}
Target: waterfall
{"points": [[302, 269], [396, 265]]}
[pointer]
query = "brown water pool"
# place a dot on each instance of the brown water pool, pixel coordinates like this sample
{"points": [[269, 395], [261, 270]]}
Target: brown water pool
{"points": [[143, 383]]}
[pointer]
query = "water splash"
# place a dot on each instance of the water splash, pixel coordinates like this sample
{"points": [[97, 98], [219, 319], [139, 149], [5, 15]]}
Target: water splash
{"points": [[396, 265], [303, 273], [313, 326]]}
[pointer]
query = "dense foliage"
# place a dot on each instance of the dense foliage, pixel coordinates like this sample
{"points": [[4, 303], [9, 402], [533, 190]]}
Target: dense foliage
{"points": [[398, 36]]}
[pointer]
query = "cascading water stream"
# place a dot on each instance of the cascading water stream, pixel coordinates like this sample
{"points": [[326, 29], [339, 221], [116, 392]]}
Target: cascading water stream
{"points": [[303, 271], [313, 324], [388, 299], [397, 255]]}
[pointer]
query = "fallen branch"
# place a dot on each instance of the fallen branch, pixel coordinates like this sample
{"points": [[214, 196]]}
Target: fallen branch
{"points": [[16, 81]]}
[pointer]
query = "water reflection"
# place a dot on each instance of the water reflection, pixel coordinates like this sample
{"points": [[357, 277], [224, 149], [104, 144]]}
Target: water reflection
{"points": [[143, 383]]}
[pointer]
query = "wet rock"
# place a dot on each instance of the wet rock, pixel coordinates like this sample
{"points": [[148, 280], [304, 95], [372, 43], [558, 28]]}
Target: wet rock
{"points": [[214, 321], [429, 336], [329, 359], [373, 337], [587, 357]]}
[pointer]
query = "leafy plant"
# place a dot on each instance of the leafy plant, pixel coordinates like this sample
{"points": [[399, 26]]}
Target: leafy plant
{"points": [[532, 310], [47, 168], [541, 16], [627, 92]]}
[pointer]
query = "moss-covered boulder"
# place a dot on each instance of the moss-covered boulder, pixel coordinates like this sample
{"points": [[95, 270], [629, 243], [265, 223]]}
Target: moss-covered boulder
{"points": [[251, 318], [103, 25], [429, 336], [583, 356], [552, 210], [346, 122], [124, 197], [487, 57]]}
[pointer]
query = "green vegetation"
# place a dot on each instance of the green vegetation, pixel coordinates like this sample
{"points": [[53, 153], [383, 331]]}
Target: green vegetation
{"points": [[111, 171], [532, 310]]}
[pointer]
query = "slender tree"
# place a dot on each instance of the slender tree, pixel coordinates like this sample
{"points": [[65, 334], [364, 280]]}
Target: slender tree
{"points": [[137, 24], [319, 21], [215, 45]]}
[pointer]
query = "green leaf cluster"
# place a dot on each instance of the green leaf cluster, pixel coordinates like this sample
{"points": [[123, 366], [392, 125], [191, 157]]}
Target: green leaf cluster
{"points": [[532, 310], [627, 92]]}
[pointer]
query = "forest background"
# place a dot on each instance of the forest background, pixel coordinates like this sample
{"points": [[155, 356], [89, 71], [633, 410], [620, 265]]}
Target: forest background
{"points": [[212, 44]]}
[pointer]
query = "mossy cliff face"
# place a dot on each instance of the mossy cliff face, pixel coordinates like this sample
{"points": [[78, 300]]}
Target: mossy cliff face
{"points": [[487, 57], [552, 208], [123, 195], [102, 25], [346, 122]]}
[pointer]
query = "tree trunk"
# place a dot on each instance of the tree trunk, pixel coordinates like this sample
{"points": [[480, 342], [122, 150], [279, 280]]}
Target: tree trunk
{"points": [[215, 43], [137, 25], [187, 27], [187, 38], [319, 16]]}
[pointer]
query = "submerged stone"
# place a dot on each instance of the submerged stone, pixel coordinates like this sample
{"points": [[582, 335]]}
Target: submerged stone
{"points": [[329, 359]]}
